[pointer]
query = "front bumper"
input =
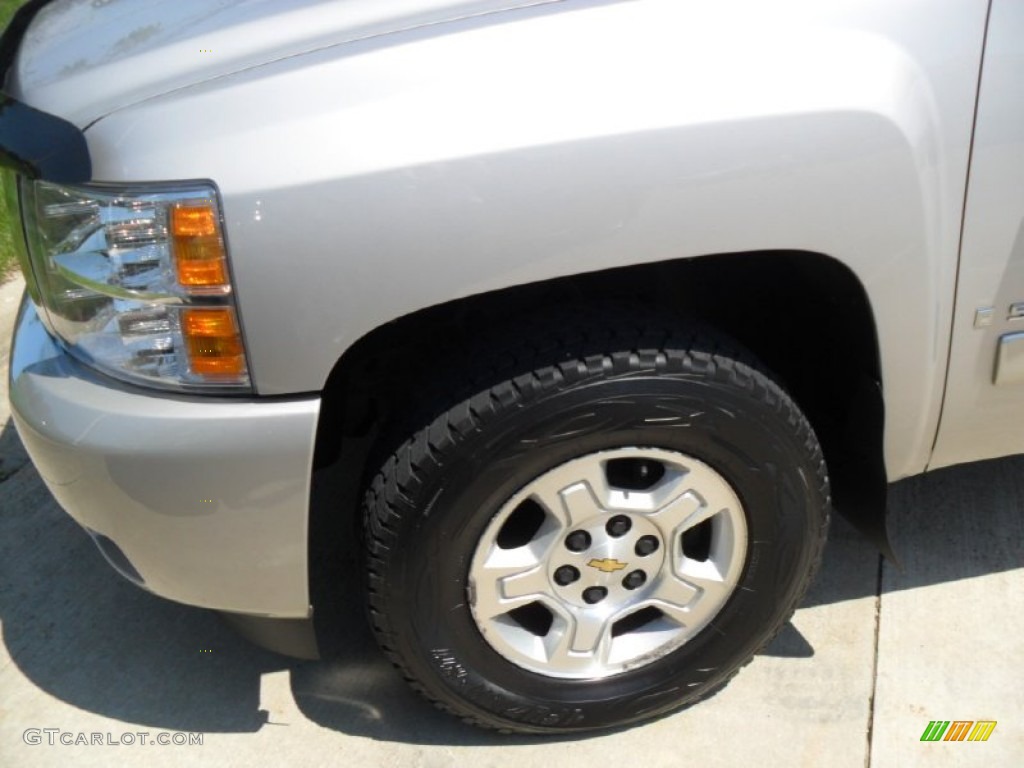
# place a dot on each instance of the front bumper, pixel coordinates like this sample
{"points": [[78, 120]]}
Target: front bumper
{"points": [[200, 500]]}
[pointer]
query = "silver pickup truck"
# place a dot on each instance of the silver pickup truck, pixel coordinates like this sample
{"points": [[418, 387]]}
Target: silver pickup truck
{"points": [[569, 321]]}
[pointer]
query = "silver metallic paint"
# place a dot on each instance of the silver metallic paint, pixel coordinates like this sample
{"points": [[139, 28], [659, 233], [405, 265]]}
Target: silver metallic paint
{"points": [[377, 157], [207, 498], [979, 420], [1009, 367], [84, 58], [405, 170]]}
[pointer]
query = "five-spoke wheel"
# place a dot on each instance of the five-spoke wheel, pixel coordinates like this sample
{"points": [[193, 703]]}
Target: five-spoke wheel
{"points": [[604, 531], [607, 562]]}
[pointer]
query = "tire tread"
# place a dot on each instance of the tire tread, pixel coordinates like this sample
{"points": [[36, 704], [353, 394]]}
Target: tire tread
{"points": [[502, 377]]}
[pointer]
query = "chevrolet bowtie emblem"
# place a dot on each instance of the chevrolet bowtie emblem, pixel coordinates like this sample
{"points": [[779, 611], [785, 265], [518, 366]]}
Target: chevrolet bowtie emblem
{"points": [[607, 565]]}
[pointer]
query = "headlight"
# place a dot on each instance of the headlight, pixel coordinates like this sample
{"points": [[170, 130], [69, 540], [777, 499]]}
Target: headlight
{"points": [[135, 280]]}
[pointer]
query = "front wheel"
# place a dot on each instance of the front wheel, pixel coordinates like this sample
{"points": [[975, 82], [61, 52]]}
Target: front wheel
{"points": [[605, 535]]}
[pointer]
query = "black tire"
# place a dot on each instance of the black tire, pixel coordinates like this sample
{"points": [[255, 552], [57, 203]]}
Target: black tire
{"points": [[575, 387]]}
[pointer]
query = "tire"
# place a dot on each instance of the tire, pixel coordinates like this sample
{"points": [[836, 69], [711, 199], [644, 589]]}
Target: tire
{"points": [[502, 580]]}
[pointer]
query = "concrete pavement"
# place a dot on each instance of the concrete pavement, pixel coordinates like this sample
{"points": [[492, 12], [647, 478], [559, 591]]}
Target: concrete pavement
{"points": [[872, 656]]}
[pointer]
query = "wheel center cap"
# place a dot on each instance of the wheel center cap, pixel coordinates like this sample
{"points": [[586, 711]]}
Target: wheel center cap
{"points": [[606, 562]]}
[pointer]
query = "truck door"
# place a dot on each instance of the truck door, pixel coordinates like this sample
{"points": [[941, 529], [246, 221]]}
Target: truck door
{"points": [[983, 411]]}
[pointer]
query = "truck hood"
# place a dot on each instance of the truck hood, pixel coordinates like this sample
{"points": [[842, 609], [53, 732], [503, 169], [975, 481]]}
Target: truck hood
{"points": [[82, 59]]}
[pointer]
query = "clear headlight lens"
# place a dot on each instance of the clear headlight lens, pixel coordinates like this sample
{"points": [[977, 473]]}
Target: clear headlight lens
{"points": [[135, 280]]}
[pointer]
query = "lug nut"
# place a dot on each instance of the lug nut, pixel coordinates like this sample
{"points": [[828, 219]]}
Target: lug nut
{"points": [[593, 595], [646, 545], [618, 526], [577, 541], [633, 580], [566, 575]]}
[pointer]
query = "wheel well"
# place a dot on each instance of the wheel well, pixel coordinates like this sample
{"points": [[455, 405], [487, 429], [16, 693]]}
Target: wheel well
{"points": [[805, 315]]}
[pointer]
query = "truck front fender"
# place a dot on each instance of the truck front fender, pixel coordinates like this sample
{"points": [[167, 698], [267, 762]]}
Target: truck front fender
{"points": [[369, 180]]}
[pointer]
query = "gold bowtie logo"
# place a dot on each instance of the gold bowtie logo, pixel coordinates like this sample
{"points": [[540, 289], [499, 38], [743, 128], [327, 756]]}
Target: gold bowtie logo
{"points": [[607, 565]]}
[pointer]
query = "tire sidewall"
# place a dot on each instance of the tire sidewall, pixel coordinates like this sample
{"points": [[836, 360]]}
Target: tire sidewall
{"points": [[747, 439]]}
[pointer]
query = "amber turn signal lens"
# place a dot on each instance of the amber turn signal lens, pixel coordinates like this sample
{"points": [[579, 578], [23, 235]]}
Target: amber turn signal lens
{"points": [[193, 220], [199, 258], [213, 342]]}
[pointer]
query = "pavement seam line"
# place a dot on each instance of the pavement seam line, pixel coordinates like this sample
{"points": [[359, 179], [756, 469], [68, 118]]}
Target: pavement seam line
{"points": [[874, 662], [7, 474]]}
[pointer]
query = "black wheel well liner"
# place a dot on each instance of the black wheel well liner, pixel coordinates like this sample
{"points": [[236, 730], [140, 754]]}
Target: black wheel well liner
{"points": [[805, 315]]}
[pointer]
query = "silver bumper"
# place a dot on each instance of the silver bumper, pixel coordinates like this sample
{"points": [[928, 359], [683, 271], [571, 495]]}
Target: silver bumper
{"points": [[204, 501]]}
